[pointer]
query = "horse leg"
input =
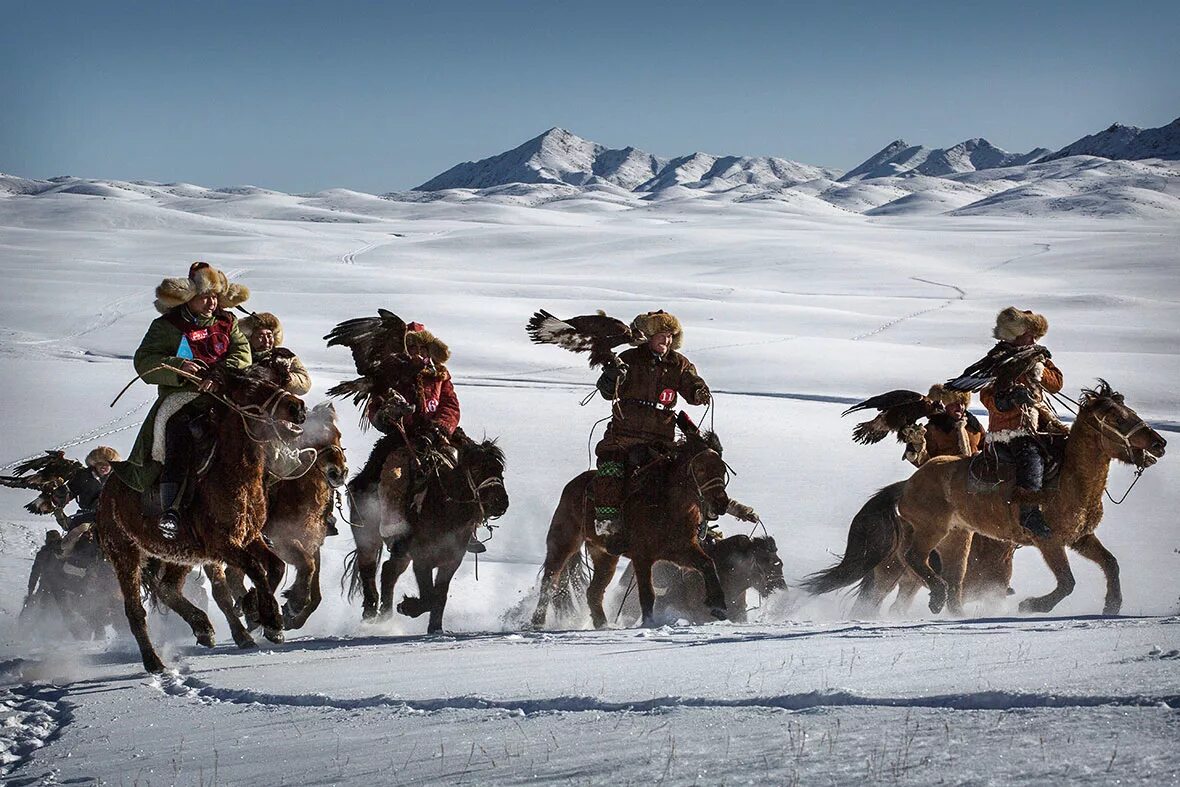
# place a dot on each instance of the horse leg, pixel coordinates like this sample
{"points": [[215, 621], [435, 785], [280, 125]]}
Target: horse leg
{"points": [[647, 594], [442, 587], [1090, 547], [1058, 563], [558, 550], [604, 571], [696, 558], [413, 606], [917, 557], [953, 551], [300, 591], [395, 565], [224, 598], [170, 588], [313, 596], [254, 559], [128, 563]]}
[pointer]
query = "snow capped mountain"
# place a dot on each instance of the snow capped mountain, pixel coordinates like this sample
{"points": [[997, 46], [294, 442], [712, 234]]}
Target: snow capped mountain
{"points": [[1127, 143], [557, 156], [893, 159], [898, 158]]}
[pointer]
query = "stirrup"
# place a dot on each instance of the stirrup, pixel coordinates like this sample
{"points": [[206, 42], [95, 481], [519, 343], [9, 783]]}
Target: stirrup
{"points": [[475, 546]]}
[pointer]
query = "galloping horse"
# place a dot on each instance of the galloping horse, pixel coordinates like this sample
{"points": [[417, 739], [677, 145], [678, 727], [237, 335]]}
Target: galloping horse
{"points": [[935, 509], [223, 523], [456, 501], [661, 523]]}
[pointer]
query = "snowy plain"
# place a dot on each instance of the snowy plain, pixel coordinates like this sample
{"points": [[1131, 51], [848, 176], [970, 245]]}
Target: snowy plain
{"points": [[793, 308]]}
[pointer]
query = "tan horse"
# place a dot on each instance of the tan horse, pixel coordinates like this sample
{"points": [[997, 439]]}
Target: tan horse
{"points": [[661, 523], [224, 522], [935, 510]]}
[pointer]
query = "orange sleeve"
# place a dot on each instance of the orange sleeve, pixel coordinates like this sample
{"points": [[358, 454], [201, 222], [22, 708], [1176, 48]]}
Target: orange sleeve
{"points": [[1052, 380], [987, 398]]}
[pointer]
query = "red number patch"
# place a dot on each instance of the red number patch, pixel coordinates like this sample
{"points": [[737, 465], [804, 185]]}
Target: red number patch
{"points": [[668, 396]]}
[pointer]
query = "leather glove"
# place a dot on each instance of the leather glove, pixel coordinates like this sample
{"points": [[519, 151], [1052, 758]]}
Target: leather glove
{"points": [[742, 511]]}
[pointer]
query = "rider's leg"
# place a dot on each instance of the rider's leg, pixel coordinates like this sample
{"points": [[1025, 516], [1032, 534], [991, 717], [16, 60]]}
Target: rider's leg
{"points": [[609, 486], [177, 449], [1030, 471]]}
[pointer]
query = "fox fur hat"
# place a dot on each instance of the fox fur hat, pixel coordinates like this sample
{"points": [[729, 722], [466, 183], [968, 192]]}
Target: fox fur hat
{"points": [[651, 323], [202, 278], [420, 341], [259, 321], [1012, 323], [940, 393], [104, 453]]}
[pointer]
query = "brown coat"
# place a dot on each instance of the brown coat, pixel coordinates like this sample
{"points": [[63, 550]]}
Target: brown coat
{"points": [[648, 393], [1021, 420], [943, 436]]}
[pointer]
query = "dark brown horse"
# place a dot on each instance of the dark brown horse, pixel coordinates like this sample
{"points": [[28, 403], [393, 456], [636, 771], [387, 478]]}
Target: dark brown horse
{"points": [[295, 520], [936, 509], [456, 501], [222, 524], [662, 517], [743, 564]]}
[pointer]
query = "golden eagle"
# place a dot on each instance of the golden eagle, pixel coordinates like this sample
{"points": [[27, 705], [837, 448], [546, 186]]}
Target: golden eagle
{"points": [[1003, 365], [378, 347], [896, 410], [45, 474], [596, 334]]}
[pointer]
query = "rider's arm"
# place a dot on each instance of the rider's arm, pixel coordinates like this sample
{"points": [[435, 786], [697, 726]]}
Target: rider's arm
{"points": [[158, 348], [35, 573], [609, 381], [1051, 379], [238, 356], [446, 415], [300, 380], [692, 387]]}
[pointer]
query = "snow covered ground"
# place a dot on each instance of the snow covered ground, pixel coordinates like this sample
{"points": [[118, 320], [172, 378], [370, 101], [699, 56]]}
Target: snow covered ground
{"points": [[793, 308]]}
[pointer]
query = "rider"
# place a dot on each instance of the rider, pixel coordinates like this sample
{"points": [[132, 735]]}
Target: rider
{"points": [[48, 557], [194, 333], [1015, 414], [645, 390], [953, 432], [265, 333], [425, 386], [84, 486]]}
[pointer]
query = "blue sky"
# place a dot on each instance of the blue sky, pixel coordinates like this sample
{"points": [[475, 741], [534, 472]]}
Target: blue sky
{"points": [[303, 96]]}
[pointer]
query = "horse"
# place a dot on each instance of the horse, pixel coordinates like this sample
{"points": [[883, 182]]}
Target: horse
{"points": [[661, 518], [295, 523], [935, 509], [223, 523], [743, 564], [455, 502]]}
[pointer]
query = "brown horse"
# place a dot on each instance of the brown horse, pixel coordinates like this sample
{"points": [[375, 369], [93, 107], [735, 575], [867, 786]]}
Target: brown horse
{"points": [[743, 564], [295, 521], [456, 501], [662, 518], [936, 510], [223, 523]]}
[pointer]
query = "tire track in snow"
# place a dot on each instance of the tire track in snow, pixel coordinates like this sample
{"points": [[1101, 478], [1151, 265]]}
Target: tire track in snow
{"points": [[188, 687]]}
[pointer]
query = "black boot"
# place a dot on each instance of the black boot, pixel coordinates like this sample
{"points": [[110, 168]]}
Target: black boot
{"points": [[170, 520], [1032, 520], [330, 518]]}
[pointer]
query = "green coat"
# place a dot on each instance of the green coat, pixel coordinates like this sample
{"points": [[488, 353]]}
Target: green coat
{"points": [[158, 347]]}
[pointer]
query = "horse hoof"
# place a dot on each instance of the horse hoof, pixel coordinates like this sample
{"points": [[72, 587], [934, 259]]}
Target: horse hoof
{"points": [[936, 603], [368, 613], [207, 639], [275, 636], [411, 607], [1112, 607], [246, 642], [153, 664], [719, 612]]}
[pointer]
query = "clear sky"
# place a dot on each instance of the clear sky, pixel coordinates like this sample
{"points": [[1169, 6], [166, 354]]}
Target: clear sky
{"points": [[301, 96]]}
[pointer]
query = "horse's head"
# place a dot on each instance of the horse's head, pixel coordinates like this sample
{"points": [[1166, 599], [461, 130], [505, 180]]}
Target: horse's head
{"points": [[483, 464], [708, 474], [754, 561], [321, 433], [1125, 436], [262, 401]]}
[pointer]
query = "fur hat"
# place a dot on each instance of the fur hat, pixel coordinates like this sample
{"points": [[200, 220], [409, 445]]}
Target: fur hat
{"points": [[202, 278], [1013, 323], [261, 321], [940, 393], [651, 323], [104, 453], [420, 341]]}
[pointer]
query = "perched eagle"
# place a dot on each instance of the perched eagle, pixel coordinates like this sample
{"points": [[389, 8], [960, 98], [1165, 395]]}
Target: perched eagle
{"points": [[896, 410], [378, 347], [596, 334], [1003, 365], [43, 474]]}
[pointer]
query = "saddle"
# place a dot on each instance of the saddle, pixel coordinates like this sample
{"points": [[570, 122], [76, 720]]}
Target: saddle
{"points": [[991, 468]]}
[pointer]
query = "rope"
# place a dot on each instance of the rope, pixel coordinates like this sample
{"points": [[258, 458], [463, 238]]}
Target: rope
{"points": [[623, 601], [1119, 502]]}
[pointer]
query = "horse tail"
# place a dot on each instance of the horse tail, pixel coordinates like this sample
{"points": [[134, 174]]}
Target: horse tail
{"points": [[350, 580], [872, 538], [571, 584], [147, 580]]}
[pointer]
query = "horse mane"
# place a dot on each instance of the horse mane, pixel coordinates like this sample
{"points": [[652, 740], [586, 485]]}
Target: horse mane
{"points": [[700, 441], [489, 449], [1103, 391]]}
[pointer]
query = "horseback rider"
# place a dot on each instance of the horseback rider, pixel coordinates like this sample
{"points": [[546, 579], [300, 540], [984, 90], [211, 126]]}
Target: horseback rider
{"points": [[84, 486], [1017, 413], [644, 388], [265, 333], [418, 415], [194, 333], [48, 559], [952, 432]]}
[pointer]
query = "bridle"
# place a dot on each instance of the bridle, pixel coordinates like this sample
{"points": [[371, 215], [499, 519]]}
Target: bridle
{"points": [[712, 484]]}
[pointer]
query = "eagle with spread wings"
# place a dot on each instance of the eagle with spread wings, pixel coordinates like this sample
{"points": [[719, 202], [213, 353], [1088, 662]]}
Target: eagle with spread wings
{"points": [[1003, 365], [596, 334], [44, 474], [896, 410], [378, 347]]}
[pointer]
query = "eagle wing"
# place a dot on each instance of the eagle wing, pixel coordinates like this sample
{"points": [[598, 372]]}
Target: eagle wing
{"points": [[895, 411], [1002, 366], [373, 340], [595, 334], [43, 474]]}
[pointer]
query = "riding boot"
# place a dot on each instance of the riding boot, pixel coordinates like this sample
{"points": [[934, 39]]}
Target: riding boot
{"points": [[170, 520], [608, 495]]}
